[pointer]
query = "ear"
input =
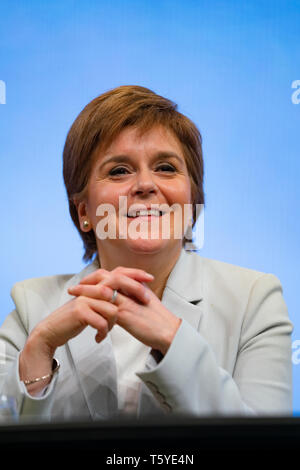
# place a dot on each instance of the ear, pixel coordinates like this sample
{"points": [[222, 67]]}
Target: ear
{"points": [[83, 216]]}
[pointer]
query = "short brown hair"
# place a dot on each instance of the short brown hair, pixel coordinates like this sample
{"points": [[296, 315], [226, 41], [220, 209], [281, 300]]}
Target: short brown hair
{"points": [[102, 120]]}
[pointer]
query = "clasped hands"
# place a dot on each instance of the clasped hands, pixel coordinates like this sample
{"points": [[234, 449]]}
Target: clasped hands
{"points": [[136, 308]]}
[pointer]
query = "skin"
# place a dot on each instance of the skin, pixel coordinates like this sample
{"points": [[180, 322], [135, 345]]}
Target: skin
{"points": [[146, 181], [137, 268]]}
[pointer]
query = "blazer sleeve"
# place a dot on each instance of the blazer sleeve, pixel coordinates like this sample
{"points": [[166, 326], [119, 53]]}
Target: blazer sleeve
{"points": [[188, 379], [13, 335]]}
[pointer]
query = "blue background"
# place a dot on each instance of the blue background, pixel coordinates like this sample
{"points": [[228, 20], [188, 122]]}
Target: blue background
{"points": [[228, 64]]}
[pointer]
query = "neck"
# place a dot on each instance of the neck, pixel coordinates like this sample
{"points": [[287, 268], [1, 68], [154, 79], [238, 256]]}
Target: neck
{"points": [[158, 264]]}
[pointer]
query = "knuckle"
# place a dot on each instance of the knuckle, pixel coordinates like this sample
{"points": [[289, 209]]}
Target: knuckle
{"points": [[79, 305], [76, 304], [100, 274], [102, 289], [105, 293], [101, 271], [118, 269], [118, 276]]}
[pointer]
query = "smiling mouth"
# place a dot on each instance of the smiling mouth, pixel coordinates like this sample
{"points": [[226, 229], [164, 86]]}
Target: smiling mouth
{"points": [[145, 213]]}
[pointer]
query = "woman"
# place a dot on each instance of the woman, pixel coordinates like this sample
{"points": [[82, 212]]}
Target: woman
{"points": [[147, 327]]}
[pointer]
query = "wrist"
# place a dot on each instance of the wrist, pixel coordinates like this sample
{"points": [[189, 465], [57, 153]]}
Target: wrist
{"points": [[37, 350], [36, 360], [168, 339], [37, 344], [55, 367]]}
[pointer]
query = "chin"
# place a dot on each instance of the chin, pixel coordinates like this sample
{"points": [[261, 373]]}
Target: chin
{"points": [[148, 246]]}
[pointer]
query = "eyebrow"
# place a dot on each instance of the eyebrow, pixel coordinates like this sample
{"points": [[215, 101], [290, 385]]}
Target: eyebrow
{"points": [[126, 158]]}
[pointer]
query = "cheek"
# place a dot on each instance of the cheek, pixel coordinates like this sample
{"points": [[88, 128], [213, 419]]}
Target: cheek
{"points": [[179, 192], [105, 194], [101, 194]]}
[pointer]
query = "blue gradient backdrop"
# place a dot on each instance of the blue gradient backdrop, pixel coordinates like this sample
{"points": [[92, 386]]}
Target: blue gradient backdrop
{"points": [[228, 64]]}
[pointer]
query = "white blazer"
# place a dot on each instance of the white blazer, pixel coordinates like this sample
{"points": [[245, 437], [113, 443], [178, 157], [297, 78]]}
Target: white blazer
{"points": [[230, 356]]}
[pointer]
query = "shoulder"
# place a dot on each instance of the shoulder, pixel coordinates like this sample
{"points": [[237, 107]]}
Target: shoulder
{"points": [[50, 285], [230, 281], [249, 298], [221, 269], [39, 294], [217, 270], [46, 285], [43, 294], [227, 286], [240, 289], [239, 277], [37, 297]]}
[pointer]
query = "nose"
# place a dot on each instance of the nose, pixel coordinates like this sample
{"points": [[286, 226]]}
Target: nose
{"points": [[144, 183]]}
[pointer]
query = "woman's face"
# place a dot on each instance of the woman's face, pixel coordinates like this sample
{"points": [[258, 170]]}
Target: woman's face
{"points": [[146, 171]]}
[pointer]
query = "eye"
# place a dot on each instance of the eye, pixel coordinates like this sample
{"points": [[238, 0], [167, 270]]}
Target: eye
{"points": [[120, 170], [166, 167]]}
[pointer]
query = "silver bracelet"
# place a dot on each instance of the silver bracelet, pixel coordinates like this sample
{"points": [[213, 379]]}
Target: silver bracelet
{"points": [[55, 367]]}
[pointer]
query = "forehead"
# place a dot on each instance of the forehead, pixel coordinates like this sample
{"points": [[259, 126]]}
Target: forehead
{"points": [[131, 140]]}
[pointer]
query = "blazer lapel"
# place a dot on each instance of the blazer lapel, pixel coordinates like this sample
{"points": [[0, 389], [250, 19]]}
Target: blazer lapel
{"points": [[93, 363], [183, 293], [183, 296]]}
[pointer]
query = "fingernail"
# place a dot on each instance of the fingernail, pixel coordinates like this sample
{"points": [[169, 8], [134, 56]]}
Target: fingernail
{"points": [[72, 288], [150, 275]]}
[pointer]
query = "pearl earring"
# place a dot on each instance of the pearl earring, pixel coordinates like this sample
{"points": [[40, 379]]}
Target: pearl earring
{"points": [[85, 224]]}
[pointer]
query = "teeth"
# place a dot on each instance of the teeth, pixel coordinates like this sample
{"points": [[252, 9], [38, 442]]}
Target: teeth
{"points": [[154, 212], [149, 212]]}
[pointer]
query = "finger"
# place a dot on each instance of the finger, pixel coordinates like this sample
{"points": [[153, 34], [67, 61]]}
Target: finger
{"points": [[99, 336], [104, 310], [128, 286], [135, 273], [96, 321], [100, 274], [98, 291], [95, 277]]}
